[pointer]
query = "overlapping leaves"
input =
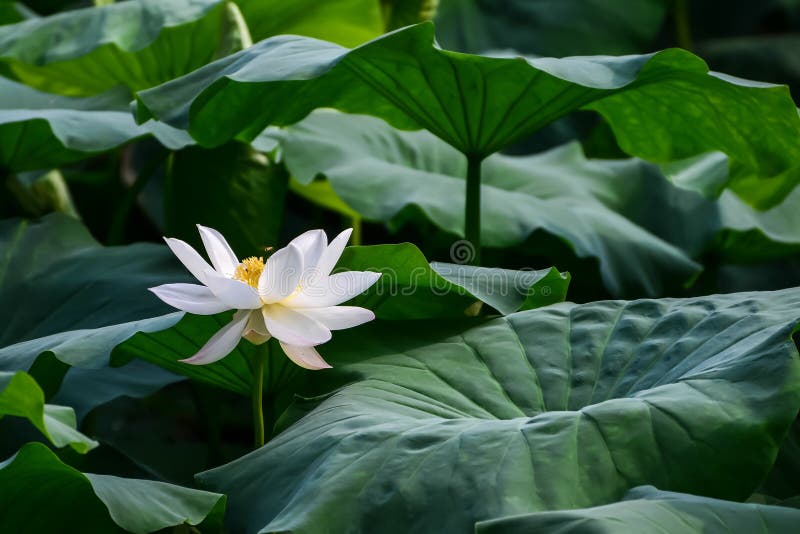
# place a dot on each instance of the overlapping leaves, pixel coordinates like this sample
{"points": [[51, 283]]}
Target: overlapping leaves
{"points": [[621, 212], [383, 174], [137, 44], [661, 107], [409, 288], [76, 300]]}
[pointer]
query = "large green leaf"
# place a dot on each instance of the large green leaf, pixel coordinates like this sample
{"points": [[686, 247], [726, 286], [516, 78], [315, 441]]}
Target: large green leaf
{"points": [[38, 493], [409, 288], [550, 27], [386, 175], [41, 131], [437, 425], [64, 295], [21, 396], [661, 107], [725, 227], [137, 43], [347, 22], [647, 510]]}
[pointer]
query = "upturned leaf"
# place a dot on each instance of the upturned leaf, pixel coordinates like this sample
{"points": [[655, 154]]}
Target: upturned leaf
{"points": [[661, 107]]}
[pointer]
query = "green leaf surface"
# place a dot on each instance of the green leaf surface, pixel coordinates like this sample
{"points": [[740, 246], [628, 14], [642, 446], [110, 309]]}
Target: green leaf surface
{"points": [[647, 510], [21, 396], [346, 22], [137, 44], [411, 288], [550, 27], [39, 493], [567, 406], [41, 131], [661, 107], [726, 226], [387, 175], [783, 482], [64, 295]]}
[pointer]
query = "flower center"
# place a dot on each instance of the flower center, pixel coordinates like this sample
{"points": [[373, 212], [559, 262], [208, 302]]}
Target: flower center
{"points": [[249, 271]]}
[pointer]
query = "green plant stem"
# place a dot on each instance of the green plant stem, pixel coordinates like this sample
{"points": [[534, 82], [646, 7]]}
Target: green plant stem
{"points": [[472, 214], [683, 33], [355, 239], [259, 358]]}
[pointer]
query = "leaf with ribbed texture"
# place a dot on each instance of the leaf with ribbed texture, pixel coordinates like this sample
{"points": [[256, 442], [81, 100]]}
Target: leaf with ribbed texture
{"points": [[662, 107], [41, 131], [39, 493], [137, 44], [21, 396], [383, 174], [431, 426], [646, 510], [622, 212]]}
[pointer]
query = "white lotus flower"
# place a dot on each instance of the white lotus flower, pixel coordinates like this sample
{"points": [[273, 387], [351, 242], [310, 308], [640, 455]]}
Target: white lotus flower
{"points": [[292, 296]]}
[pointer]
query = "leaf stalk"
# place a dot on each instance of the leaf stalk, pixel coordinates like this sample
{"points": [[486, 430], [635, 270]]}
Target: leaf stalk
{"points": [[472, 214]]}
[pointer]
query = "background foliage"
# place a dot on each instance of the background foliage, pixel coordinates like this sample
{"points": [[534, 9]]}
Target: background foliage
{"points": [[479, 400]]}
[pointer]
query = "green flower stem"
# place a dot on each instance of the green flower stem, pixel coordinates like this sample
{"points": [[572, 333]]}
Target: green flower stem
{"points": [[472, 215], [259, 358]]}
